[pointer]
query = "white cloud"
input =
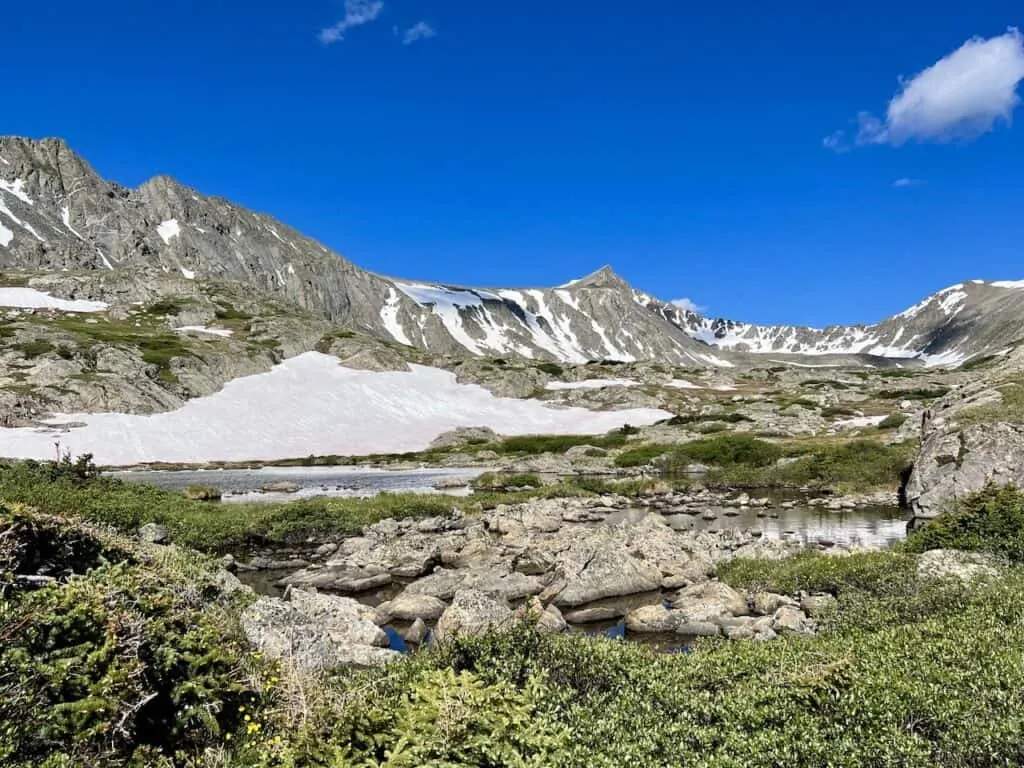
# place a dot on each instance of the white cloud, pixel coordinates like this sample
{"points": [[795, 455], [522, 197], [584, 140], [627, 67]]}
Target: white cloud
{"points": [[961, 96], [687, 305], [420, 31], [357, 13], [905, 182]]}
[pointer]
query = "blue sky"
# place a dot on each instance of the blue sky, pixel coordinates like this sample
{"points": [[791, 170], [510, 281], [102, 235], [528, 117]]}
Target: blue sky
{"points": [[693, 146]]}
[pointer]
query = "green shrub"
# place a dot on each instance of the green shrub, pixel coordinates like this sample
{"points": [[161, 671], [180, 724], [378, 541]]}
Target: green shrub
{"points": [[920, 393], [72, 490], [457, 719], [536, 444], [990, 521], [726, 451], [838, 410], [126, 663], [202, 493], [893, 421], [552, 369], [495, 481], [712, 427], [696, 418], [641, 455], [227, 311], [35, 348], [744, 460], [809, 571], [169, 306]]}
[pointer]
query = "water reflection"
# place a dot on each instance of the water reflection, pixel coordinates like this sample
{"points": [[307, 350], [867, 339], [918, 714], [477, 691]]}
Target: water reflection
{"points": [[246, 484]]}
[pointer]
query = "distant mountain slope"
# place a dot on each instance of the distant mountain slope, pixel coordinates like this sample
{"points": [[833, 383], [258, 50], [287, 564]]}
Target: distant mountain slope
{"points": [[56, 214], [953, 325]]}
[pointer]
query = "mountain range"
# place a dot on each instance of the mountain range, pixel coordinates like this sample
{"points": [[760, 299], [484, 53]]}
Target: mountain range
{"points": [[57, 214]]}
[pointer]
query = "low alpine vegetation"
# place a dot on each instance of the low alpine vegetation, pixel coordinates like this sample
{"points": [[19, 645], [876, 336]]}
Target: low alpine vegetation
{"points": [[116, 653], [745, 460]]}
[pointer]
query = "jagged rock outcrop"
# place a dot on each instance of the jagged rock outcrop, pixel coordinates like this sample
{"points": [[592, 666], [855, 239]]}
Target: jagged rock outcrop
{"points": [[955, 462]]}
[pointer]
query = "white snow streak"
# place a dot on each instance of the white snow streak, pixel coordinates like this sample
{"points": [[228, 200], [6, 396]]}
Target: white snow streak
{"points": [[224, 332], [590, 384], [30, 298], [6, 236], [65, 216], [15, 188], [389, 316], [1008, 284], [168, 229], [312, 405], [188, 273]]}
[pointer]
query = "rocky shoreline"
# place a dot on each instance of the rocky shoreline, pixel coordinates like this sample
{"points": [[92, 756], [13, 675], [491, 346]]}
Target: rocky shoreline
{"points": [[554, 562]]}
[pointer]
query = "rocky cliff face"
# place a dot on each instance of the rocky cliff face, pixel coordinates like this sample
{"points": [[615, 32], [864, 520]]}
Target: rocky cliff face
{"points": [[57, 214]]}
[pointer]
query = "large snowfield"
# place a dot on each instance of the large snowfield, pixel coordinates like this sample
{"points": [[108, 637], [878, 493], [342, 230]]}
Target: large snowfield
{"points": [[311, 405]]}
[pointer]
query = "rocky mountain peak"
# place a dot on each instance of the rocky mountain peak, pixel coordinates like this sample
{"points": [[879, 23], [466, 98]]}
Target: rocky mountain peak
{"points": [[605, 277]]}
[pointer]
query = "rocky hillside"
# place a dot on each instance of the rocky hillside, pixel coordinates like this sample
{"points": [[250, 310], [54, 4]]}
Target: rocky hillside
{"points": [[57, 214]]}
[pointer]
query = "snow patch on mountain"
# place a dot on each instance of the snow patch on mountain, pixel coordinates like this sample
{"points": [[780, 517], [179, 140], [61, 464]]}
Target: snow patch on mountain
{"points": [[222, 332], [65, 217], [368, 412], [590, 384], [168, 229], [389, 316], [30, 298], [16, 188]]}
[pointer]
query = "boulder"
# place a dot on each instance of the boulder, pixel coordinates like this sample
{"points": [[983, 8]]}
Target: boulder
{"points": [[409, 607], [315, 632], [789, 620], [464, 436], [955, 564], [552, 620], [607, 573], [584, 452], [472, 613], [547, 619], [953, 463], [767, 603], [347, 620], [442, 584], [417, 632], [338, 579], [533, 563], [282, 486], [594, 614], [152, 533], [818, 606], [697, 629], [652, 618], [705, 602]]}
